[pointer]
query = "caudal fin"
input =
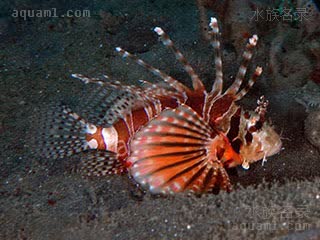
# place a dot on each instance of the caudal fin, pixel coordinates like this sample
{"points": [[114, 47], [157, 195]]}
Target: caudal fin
{"points": [[62, 133], [59, 133]]}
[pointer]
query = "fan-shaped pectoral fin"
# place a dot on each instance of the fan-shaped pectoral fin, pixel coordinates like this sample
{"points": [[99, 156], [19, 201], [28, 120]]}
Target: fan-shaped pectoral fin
{"points": [[175, 152]]}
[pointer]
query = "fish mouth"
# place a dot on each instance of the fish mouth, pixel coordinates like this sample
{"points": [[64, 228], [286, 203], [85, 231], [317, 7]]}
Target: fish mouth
{"points": [[275, 149]]}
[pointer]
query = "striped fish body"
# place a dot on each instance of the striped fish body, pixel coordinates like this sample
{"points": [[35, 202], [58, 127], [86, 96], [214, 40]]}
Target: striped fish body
{"points": [[171, 138], [116, 138]]}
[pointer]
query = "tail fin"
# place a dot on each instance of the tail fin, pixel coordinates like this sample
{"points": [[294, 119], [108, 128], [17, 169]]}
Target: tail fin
{"points": [[60, 133]]}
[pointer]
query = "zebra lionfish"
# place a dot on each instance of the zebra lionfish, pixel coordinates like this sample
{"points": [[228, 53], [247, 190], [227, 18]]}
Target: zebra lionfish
{"points": [[167, 137]]}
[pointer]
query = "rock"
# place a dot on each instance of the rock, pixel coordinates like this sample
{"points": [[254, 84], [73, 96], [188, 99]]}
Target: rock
{"points": [[312, 128]]}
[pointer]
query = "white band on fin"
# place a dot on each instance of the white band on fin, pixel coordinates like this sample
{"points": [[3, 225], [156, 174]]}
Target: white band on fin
{"points": [[245, 165]]}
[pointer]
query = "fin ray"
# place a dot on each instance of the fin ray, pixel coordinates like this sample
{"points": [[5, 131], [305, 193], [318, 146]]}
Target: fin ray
{"points": [[166, 162], [61, 133], [101, 163]]}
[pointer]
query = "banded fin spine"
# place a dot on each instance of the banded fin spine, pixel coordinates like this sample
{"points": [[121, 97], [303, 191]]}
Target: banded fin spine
{"points": [[215, 43], [171, 154], [142, 96], [250, 83], [175, 84], [196, 82], [246, 57], [110, 84]]}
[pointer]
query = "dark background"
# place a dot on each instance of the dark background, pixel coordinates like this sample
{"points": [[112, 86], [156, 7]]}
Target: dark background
{"points": [[47, 199]]}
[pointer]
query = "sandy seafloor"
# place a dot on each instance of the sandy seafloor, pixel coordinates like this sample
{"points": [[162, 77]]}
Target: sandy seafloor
{"points": [[48, 199]]}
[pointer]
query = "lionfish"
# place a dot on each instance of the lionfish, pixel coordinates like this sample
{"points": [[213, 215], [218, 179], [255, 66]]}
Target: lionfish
{"points": [[167, 137]]}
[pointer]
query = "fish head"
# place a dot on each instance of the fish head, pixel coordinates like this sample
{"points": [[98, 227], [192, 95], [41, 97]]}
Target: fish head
{"points": [[265, 143], [259, 140]]}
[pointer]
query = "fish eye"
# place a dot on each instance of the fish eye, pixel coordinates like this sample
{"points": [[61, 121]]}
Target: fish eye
{"points": [[256, 127], [246, 115], [252, 129]]}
